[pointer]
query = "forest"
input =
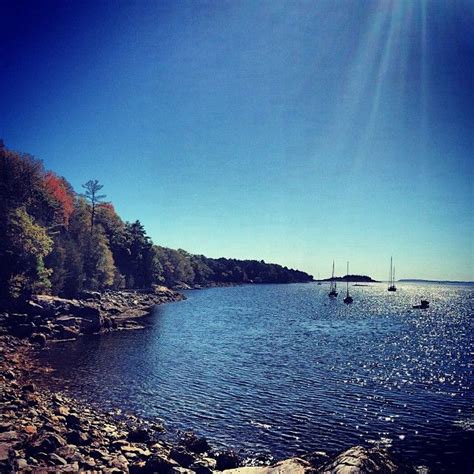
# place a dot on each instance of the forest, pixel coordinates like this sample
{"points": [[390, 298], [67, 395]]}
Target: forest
{"points": [[55, 240]]}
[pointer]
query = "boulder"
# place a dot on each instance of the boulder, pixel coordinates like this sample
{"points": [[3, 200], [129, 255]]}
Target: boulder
{"points": [[78, 438], [139, 435], [181, 456], [73, 421], [194, 443], [159, 464], [46, 443], [227, 460], [92, 320]]}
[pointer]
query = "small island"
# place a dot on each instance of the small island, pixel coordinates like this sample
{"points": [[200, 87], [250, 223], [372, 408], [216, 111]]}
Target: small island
{"points": [[353, 278]]}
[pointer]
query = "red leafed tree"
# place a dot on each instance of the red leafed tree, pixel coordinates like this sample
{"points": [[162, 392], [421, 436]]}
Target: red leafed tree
{"points": [[62, 193]]}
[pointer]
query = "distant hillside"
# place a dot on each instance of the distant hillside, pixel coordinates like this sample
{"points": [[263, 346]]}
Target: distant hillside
{"points": [[356, 278]]}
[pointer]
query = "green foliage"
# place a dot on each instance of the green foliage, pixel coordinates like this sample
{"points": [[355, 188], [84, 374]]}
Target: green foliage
{"points": [[99, 265], [27, 243]]}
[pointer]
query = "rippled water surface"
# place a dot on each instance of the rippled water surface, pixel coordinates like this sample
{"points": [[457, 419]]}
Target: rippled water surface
{"points": [[280, 369]]}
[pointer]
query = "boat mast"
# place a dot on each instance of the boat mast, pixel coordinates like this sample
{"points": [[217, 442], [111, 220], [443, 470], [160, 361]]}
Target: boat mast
{"points": [[347, 280], [391, 273]]}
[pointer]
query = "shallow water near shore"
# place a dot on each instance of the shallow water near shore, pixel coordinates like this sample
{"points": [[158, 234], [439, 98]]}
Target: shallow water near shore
{"points": [[281, 369]]}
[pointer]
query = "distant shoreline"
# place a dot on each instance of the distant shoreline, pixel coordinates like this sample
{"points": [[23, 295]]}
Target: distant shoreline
{"points": [[446, 282]]}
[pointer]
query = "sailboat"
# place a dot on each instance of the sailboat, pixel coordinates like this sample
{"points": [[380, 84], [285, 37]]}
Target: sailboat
{"points": [[348, 299], [333, 292], [391, 283], [319, 279]]}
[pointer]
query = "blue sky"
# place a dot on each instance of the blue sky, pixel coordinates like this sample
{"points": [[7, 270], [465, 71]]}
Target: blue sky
{"points": [[295, 132]]}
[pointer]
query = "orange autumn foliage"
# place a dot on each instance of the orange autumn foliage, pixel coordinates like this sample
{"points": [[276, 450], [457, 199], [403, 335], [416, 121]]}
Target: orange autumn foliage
{"points": [[61, 191]]}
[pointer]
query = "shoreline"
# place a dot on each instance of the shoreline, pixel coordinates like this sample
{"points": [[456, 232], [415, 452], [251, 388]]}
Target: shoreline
{"points": [[42, 431]]}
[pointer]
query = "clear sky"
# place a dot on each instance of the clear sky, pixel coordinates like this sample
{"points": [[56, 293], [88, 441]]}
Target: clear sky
{"points": [[290, 131]]}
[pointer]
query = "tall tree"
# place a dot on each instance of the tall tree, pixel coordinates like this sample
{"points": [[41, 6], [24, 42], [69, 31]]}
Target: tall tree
{"points": [[92, 188]]}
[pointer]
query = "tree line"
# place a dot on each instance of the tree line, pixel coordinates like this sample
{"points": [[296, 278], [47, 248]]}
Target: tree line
{"points": [[54, 240]]}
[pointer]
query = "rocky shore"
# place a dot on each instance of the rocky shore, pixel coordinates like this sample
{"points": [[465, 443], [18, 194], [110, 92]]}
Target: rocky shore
{"points": [[44, 317], [42, 431]]}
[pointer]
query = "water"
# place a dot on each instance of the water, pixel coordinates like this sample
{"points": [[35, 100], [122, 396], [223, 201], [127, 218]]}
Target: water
{"points": [[281, 369]]}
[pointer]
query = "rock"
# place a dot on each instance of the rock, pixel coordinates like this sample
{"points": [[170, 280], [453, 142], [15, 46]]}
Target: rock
{"points": [[5, 451], [22, 330], [126, 450], [90, 295], [98, 453], [227, 460], [73, 421], [68, 321], [38, 338], [119, 462], [88, 464], [62, 410], [358, 460], [139, 435], [316, 458], [200, 467], [181, 456], [44, 329], [46, 443], [30, 429], [62, 332], [58, 460], [159, 464], [21, 465], [9, 375], [15, 318], [194, 443], [288, 466], [29, 388], [9, 437], [67, 452], [92, 322], [33, 308], [78, 438]]}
